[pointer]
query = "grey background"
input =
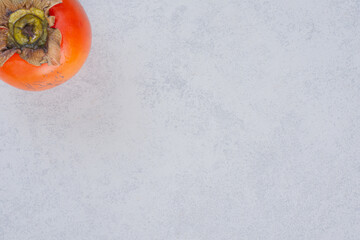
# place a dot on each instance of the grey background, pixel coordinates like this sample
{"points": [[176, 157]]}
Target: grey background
{"points": [[193, 119]]}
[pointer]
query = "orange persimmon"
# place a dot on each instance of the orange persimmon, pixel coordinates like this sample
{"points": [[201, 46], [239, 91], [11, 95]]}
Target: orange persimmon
{"points": [[43, 42]]}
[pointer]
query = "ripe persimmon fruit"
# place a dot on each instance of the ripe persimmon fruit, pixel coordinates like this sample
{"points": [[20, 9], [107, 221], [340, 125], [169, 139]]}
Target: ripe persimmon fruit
{"points": [[43, 43]]}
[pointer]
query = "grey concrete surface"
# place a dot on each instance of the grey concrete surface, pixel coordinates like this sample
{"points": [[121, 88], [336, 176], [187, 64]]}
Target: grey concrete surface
{"points": [[193, 120]]}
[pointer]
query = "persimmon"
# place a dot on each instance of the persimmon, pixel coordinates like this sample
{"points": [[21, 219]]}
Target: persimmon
{"points": [[43, 43]]}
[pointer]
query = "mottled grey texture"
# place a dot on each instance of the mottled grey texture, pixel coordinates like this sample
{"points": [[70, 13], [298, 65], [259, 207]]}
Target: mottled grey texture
{"points": [[193, 120]]}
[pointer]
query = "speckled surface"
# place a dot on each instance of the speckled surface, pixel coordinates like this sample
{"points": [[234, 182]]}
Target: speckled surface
{"points": [[192, 120]]}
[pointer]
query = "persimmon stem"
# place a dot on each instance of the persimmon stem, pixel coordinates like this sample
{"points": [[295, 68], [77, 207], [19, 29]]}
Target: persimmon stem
{"points": [[28, 28]]}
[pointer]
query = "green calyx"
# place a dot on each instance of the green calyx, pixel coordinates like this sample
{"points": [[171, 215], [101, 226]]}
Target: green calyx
{"points": [[28, 28]]}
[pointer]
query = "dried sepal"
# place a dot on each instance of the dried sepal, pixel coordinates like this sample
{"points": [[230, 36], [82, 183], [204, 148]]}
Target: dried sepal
{"points": [[52, 3], [33, 56], [51, 21], [13, 5], [40, 4], [45, 4], [54, 43], [6, 54], [3, 14], [3, 38]]}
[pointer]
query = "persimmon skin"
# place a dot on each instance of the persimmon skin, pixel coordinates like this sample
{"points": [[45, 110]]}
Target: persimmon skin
{"points": [[74, 25]]}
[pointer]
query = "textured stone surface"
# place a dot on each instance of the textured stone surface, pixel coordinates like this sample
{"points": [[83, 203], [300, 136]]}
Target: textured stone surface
{"points": [[191, 120]]}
